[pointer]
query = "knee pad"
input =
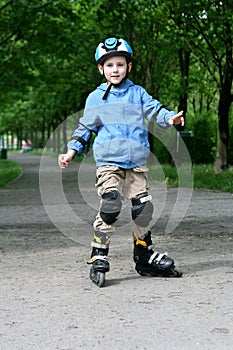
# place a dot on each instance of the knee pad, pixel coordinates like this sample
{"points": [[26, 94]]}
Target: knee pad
{"points": [[142, 210], [110, 207]]}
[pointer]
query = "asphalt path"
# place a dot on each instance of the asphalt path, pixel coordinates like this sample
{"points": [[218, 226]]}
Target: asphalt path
{"points": [[47, 301]]}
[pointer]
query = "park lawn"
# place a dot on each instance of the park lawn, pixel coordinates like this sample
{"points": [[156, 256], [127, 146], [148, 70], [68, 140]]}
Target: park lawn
{"points": [[9, 170], [203, 177]]}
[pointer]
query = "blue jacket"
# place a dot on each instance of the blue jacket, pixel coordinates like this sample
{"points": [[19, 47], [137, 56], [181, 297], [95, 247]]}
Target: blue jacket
{"points": [[119, 124]]}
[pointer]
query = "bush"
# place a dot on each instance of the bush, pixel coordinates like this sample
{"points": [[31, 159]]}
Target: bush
{"points": [[204, 128]]}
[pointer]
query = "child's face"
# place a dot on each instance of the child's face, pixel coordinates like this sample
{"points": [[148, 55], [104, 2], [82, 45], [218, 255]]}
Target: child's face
{"points": [[115, 69]]}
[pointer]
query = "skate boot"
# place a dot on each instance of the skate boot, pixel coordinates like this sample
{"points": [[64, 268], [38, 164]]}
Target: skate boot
{"points": [[99, 261], [149, 262], [100, 266]]}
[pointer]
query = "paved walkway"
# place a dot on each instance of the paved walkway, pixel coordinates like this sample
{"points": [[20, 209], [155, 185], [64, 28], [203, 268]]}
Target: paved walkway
{"points": [[47, 301]]}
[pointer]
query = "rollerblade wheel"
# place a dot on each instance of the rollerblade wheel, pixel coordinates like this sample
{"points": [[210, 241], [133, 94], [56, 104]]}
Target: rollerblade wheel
{"points": [[140, 272], [174, 272], [148, 271], [97, 277], [100, 279]]}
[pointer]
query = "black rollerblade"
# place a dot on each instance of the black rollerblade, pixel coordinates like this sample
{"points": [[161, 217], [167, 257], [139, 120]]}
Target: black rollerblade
{"points": [[100, 266], [152, 263]]}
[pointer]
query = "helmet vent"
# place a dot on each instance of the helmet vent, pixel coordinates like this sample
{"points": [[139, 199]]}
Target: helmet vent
{"points": [[111, 44]]}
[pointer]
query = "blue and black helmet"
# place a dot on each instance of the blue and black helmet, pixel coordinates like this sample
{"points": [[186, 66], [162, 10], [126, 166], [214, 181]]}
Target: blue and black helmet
{"points": [[113, 47]]}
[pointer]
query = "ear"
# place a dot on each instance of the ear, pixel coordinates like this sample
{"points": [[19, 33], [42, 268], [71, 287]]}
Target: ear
{"points": [[101, 69], [130, 65]]}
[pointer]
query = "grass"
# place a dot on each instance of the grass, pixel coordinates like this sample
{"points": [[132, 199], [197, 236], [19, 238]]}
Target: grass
{"points": [[9, 170], [203, 177]]}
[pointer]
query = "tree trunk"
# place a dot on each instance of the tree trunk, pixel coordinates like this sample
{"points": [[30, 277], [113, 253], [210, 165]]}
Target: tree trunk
{"points": [[225, 100], [43, 127], [221, 162]]}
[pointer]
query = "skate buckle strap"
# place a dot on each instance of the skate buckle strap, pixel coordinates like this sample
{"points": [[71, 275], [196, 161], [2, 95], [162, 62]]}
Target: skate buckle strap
{"points": [[97, 257], [145, 199], [98, 245], [156, 257]]}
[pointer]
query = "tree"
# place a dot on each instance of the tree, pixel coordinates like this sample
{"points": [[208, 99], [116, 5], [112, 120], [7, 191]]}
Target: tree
{"points": [[43, 61], [210, 39], [47, 64]]}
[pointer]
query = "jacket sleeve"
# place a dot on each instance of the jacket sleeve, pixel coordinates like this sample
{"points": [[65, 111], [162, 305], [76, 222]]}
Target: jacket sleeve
{"points": [[154, 110], [87, 124]]}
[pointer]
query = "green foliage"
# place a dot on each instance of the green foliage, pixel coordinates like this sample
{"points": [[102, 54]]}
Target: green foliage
{"points": [[47, 65], [163, 144], [204, 141]]}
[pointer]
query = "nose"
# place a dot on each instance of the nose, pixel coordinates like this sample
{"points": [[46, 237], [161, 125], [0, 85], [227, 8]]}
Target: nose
{"points": [[115, 68]]}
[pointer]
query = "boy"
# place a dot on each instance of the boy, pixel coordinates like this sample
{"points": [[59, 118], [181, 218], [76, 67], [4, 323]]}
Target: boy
{"points": [[116, 113]]}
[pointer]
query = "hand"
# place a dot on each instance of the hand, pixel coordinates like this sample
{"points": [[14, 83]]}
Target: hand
{"points": [[65, 159], [177, 119]]}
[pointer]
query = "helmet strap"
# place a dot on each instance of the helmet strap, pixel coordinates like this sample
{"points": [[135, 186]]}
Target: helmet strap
{"points": [[107, 92]]}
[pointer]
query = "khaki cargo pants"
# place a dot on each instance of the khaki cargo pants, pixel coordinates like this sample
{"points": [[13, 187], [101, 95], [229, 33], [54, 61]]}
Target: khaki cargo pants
{"points": [[131, 183]]}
